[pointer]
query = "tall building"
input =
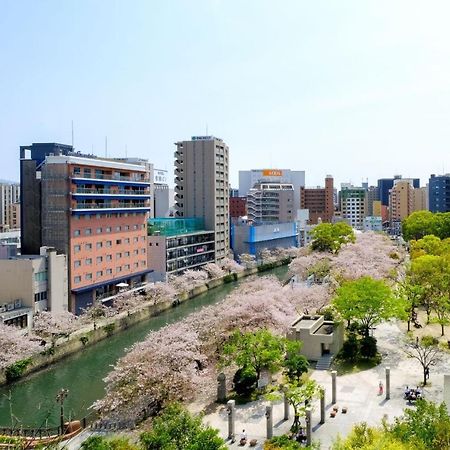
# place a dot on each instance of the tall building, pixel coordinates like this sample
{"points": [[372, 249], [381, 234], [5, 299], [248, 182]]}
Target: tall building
{"points": [[353, 205], [372, 195], [249, 178], [439, 193], [14, 216], [94, 211], [420, 199], [238, 207], [401, 200], [202, 186], [386, 184], [271, 202], [319, 201], [9, 194]]}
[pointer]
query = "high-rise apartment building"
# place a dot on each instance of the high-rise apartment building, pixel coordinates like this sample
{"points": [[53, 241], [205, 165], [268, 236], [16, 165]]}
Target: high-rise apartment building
{"points": [[372, 195], [401, 200], [93, 210], [386, 184], [420, 199], [9, 194], [318, 201], [353, 205], [202, 186], [439, 193], [271, 202]]}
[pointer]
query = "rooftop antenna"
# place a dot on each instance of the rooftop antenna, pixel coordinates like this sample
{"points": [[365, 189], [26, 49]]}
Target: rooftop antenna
{"points": [[72, 136], [106, 146]]}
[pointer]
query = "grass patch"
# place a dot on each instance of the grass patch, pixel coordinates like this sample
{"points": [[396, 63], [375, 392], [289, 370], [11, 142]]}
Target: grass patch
{"points": [[344, 367]]}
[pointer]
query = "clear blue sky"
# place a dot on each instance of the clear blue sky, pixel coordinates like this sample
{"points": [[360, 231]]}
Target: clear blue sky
{"points": [[358, 89]]}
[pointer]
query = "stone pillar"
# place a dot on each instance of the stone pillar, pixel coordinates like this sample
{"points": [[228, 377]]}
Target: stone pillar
{"points": [[308, 426], [269, 421], [333, 386], [231, 418], [286, 407], [388, 383], [221, 388], [322, 406], [447, 391]]}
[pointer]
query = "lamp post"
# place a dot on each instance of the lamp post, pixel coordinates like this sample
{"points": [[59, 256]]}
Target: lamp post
{"points": [[60, 397]]}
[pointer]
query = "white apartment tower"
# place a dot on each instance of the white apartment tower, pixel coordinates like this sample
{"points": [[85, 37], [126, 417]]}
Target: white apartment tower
{"points": [[202, 187]]}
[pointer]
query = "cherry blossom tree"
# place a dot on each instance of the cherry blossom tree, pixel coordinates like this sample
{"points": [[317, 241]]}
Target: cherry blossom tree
{"points": [[213, 270], [230, 265], [54, 324], [15, 345]]}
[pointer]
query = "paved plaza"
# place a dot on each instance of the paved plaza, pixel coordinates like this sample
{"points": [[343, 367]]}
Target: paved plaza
{"points": [[358, 392]]}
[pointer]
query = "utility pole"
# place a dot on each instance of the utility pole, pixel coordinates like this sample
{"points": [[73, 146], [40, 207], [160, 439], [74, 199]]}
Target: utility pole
{"points": [[60, 397]]}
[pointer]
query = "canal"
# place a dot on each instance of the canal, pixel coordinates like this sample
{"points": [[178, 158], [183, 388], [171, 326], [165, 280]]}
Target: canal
{"points": [[31, 401]]}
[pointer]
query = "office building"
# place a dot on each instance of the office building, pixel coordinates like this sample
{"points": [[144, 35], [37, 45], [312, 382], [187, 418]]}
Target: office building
{"points": [[353, 205], [202, 186], [405, 199], [271, 202], [162, 194], [94, 211], [372, 223], [175, 245], [319, 201], [9, 194], [420, 199], [43, 286], [253, 238], [249, 178], [439, 193]]}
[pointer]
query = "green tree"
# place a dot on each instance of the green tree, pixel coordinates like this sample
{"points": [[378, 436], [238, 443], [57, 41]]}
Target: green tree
{"points": [[294, 364], [177, 429], [429, 245], [427, 426], [368, 302], [419, 224], [255, 350], [412, 294], [102, 443], [329, 237]]}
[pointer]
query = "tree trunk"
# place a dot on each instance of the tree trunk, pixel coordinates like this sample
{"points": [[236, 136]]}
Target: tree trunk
{"points": [[442, 329], [409, 325], [424, 376]]}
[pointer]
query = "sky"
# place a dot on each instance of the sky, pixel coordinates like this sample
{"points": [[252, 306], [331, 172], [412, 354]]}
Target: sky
{"points": [[356, 89]]}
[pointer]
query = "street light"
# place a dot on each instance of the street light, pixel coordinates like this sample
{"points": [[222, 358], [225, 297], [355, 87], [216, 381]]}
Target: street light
{"points": [[60, 397]]}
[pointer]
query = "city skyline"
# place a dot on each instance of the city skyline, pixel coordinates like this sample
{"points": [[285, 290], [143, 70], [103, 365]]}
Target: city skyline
{"points": [[349, 90]]}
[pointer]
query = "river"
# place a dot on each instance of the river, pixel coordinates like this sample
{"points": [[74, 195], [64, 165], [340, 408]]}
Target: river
{"points": [[33, 398]]}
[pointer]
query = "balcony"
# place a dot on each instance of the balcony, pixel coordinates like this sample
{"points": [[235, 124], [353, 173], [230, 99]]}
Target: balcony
{"points": [[102, 193], [111, 179], [107, 206]]}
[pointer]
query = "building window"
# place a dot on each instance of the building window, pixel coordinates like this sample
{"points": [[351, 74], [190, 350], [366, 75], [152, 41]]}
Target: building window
{"points": [[126, 227], [143, 251], [99, 274], [136, 265], [126, 241], [136, 239], [88, 246], [99, 245], [108, 271], [118, 255], [108, 257], [99, 259], [108, 243], [108, 229], [99, 230], [136, 252], [118, 241], [118, 269], [76, 233], [76, 248], [88, 261], [118, 228], [88, 231], [40, 276], [126, 254], [88, 276], [77, 279], [77, 263], [127, 267]]}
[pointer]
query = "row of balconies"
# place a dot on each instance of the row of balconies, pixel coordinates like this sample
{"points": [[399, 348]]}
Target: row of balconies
{"points": [[139, 178]]}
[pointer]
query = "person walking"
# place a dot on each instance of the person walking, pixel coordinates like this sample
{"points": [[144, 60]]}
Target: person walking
{"points": [[380, 388]]}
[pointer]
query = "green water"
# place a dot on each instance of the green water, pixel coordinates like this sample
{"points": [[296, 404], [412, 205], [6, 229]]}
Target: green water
{"points": [[33, 399]]}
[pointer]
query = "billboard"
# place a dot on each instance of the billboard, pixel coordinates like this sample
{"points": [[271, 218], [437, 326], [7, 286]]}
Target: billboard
{"points": [[272, 173]]}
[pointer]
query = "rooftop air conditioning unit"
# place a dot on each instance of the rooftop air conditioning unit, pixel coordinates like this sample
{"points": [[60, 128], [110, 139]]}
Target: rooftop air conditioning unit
{"points": [[2, 309]]}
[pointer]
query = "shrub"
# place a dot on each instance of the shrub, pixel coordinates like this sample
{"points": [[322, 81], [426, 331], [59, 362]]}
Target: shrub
{"points": [[16, 370], [84, 340], [350, 349], [109, 329], [368, 347], [245, 381], [229, 278]]}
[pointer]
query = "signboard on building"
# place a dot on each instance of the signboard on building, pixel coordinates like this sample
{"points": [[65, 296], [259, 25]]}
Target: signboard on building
{"points": [[272, 173]]}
